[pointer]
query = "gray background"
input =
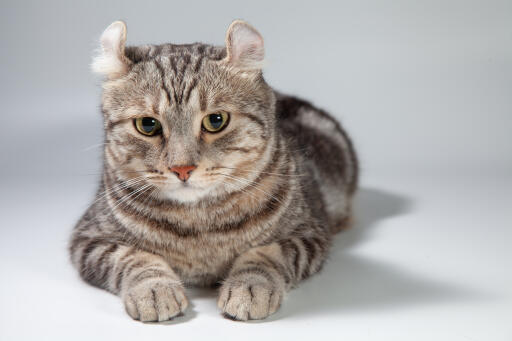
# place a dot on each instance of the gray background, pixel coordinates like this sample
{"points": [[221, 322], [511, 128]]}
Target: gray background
{"points": [[423, 86], [424, 89]]}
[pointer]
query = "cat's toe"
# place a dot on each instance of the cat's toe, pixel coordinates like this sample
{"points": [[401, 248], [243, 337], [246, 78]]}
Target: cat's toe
{"points": [[244, 301], [155, 300]]}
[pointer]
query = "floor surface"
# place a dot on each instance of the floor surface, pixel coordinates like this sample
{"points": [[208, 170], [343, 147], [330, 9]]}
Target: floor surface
{"points": [[427, 257]]}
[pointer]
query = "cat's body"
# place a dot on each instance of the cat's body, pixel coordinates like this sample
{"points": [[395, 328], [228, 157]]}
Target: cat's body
{"points": [[279, 177]]}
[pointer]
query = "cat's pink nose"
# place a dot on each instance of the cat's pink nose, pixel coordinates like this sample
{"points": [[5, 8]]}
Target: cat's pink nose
{"points": [[183, 172]]}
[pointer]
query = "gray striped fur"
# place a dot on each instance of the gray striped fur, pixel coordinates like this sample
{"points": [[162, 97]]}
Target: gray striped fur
{"points": [[259, 212]]}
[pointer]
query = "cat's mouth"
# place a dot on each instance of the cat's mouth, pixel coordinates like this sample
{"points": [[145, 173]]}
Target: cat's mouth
{"points": [[191, 190], [169, 185], [188, 185]]}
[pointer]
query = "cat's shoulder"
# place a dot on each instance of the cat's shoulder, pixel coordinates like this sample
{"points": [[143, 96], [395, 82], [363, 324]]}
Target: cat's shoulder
{"points": [[294, 109]]}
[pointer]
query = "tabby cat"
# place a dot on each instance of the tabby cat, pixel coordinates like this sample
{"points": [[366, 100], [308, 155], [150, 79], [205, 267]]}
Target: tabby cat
{"points": [[210, 178]]}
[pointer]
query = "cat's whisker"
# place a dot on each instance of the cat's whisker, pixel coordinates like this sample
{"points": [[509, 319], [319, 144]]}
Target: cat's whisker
{"points": [[140, 210], [238, 188], [126, 183], [115, 189], [136, 171], [119, 187], [128, 196], [97, 145], [141, 191], [138, 195], [134, 208], [241, 189], [125, 171], [251, 184], [262, 172], [136, 190]]}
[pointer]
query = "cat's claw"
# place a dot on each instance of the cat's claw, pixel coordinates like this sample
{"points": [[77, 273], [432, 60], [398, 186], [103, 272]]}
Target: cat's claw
{"points": [[249, 300], [155, 300]]}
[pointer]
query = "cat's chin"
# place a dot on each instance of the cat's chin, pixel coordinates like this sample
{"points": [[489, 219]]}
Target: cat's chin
{"points": [[184, 194]]}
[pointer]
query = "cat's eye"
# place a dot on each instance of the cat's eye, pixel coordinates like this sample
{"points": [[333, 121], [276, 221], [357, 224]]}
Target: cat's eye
{"points": [[215, 122], [148, 126]]}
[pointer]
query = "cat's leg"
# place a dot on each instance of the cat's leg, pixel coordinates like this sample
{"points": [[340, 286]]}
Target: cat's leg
{"points": [[259, 278], [149, 288]]}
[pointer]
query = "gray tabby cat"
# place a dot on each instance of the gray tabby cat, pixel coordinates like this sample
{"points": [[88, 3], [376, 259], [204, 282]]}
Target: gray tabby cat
{"points": [[210, 177]]}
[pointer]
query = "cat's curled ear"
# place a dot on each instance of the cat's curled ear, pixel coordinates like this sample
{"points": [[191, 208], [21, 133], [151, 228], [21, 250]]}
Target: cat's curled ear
{"points": [[111, 60], [244, 46]]}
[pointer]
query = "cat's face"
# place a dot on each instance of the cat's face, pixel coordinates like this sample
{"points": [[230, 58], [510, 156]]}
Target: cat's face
{"points": [[186, 122]]}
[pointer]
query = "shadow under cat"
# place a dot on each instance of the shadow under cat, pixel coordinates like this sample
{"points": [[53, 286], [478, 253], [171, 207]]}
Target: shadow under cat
{"points": [[354, 283]]}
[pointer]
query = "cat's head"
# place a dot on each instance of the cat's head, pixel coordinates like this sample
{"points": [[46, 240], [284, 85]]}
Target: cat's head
{"points": [[187, 121]]}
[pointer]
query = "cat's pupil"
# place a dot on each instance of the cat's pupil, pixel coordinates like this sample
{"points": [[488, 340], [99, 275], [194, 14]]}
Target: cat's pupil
{"points": [[148, 124], [216, 120]]}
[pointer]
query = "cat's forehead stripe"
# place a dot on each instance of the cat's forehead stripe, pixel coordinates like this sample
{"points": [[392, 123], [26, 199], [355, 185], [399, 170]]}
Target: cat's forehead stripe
{"points": [[162, 76]]}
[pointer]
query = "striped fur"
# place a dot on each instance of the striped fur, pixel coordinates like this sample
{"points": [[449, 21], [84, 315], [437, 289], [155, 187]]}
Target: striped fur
{"points": [[258, 213]]}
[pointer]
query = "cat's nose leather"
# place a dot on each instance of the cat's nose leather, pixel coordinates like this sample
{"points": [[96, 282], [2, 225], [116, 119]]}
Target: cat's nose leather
{"points": [[183, 172]]}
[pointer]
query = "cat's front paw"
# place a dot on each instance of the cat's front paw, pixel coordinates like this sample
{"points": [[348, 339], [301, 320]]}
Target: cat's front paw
{"points": [[251, 298], [155, 300]]}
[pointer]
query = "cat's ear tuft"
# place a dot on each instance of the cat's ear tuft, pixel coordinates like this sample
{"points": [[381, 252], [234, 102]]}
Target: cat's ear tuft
{"points": [[111, 60], [244, 46]]}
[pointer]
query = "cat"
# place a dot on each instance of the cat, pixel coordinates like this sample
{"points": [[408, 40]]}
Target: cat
{"points": [[210, 178]]}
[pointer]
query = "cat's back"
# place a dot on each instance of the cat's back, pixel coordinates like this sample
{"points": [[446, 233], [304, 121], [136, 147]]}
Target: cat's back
{"points": [[325, 150]]}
